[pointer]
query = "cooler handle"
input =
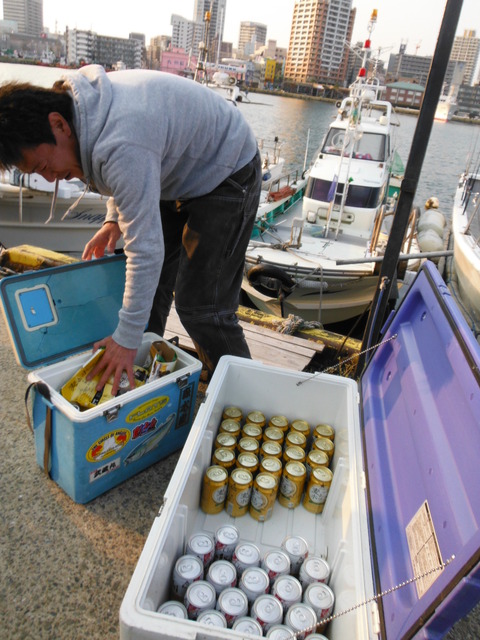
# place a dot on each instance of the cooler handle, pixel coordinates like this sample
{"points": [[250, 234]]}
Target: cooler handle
{"points": [[44, 391]]}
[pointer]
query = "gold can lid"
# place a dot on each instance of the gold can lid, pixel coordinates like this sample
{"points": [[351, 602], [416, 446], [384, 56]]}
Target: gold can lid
{"points": [[296, 438], [248, 444], [318, 457], [322, 474], [296, 469], [235, 413], [281, 422], [324, 444], [324, 430], [225, 455], [226, 440], [300, 425], [273, 433], [247, 459], [230, 426], [216, 473], [266, 481], [295, 453], [270, 448], [256, 417], [252, 431], [271, 464], [241, 476]]}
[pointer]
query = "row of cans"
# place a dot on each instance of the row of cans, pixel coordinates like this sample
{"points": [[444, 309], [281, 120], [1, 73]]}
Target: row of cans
{"points": [[240, 492], [232, 610]]}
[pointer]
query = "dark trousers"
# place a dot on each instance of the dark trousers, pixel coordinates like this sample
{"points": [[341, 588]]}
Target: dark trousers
{"points": [[205, 243]]}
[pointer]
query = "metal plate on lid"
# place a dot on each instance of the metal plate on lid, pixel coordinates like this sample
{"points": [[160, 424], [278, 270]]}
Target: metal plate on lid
{"points": [[57, 312], [421, 407]]}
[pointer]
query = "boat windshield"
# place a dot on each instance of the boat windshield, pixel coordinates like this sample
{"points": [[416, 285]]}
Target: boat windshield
{"points": [[369, 146], [357, 196]]}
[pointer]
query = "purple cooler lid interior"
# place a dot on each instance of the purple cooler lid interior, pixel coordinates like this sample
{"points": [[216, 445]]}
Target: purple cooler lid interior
{"points": [[421, 419]]}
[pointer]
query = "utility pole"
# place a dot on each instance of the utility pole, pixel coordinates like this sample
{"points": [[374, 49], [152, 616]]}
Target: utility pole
{"points": [[410, 181]]}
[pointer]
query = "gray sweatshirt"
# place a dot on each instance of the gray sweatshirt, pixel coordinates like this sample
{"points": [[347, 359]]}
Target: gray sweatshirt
{"points": [[145, 135]]}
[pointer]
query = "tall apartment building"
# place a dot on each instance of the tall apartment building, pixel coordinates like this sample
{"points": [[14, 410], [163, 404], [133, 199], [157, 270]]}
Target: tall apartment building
{"points": [[217, 18], [467, 48], [186, 34], [105, 50], [252, 36], [319, 39], [28, 14]]}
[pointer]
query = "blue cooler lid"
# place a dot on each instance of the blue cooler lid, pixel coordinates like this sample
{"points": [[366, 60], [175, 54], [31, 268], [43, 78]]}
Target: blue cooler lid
{"points": [[421, 428], [57, 312]]}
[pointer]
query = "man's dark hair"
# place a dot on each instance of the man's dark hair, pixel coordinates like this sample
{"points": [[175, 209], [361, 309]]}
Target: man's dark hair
{"points": [[24, 123]]}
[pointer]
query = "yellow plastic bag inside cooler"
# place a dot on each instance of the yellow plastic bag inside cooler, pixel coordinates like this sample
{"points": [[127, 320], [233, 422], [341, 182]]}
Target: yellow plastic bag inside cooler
{"points": [[82, 392]]}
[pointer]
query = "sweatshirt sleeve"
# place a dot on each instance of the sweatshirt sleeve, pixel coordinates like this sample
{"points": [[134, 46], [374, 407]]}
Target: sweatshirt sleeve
{"points": [[133, 177]]}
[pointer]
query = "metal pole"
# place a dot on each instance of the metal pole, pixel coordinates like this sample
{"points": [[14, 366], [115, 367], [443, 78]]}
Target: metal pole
{"points": [[412, 172]]}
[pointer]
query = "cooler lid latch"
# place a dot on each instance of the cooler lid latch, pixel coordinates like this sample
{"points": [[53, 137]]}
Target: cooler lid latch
{"points": [[182, 381], [111, 414]]}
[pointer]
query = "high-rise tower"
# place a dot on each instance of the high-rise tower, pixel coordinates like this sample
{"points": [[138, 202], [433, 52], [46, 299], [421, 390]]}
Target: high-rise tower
{"points": [[320, 35], [217, 18], [28, 14], [467, 48]]}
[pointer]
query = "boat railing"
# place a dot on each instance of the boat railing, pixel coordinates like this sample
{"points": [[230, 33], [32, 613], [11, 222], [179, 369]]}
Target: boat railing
{"points": [[285, 180]]}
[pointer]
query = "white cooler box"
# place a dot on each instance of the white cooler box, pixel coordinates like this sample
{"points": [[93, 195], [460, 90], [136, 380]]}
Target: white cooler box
{"points": [[404, 499], [59, 312]]}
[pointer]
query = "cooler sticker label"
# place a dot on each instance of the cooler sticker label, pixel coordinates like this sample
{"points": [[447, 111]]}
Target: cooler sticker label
{"points": [[424, 550], [152, 441], [142, 429], [147, 409], [108, 445], [113, 465]]}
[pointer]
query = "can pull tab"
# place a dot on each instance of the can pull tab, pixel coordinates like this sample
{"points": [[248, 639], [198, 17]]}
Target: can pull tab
{"points": [[111, 414]]}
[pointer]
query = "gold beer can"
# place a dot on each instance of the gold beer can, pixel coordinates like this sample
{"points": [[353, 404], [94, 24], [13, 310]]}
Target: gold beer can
{"points": [[239, 492], [226, 441], [324, 444], [248, 461], [324, 431], [257, 418], [294, 454], [302, 426], [248, 445], [224, 457], [214, 490], [292, 484], [315, 459], [230, 426], [272, 465], [270, 448], [295, 439], [263, 496], [232, 413], [281, 422], [317, 489], [273, 434], [252, 431]]}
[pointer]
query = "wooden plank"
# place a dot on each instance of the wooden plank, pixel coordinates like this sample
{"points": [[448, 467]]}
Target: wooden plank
{"points": [[266, 346]]}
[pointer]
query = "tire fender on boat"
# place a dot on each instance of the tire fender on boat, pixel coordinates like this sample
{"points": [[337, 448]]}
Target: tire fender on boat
{"points": [[270, 280]]}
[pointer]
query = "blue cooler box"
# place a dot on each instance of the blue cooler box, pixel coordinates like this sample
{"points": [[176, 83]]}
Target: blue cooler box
{"points": [[54, 316], [401, 524]]}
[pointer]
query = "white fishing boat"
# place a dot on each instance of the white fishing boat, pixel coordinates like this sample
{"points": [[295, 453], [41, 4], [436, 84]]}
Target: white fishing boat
{"points": [[273, 164], [466, 248], [446, 109], [25, 208], [318, 259]]}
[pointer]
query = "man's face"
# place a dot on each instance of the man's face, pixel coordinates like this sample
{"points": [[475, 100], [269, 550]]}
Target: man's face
{"points": [[54, 161]]}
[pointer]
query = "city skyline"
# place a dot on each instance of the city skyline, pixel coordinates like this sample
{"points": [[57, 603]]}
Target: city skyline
{"points": [[152, 18]]}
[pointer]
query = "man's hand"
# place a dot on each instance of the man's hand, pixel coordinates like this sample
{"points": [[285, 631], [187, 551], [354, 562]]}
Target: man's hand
{"points": [[115, 360], [105, 238]]}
